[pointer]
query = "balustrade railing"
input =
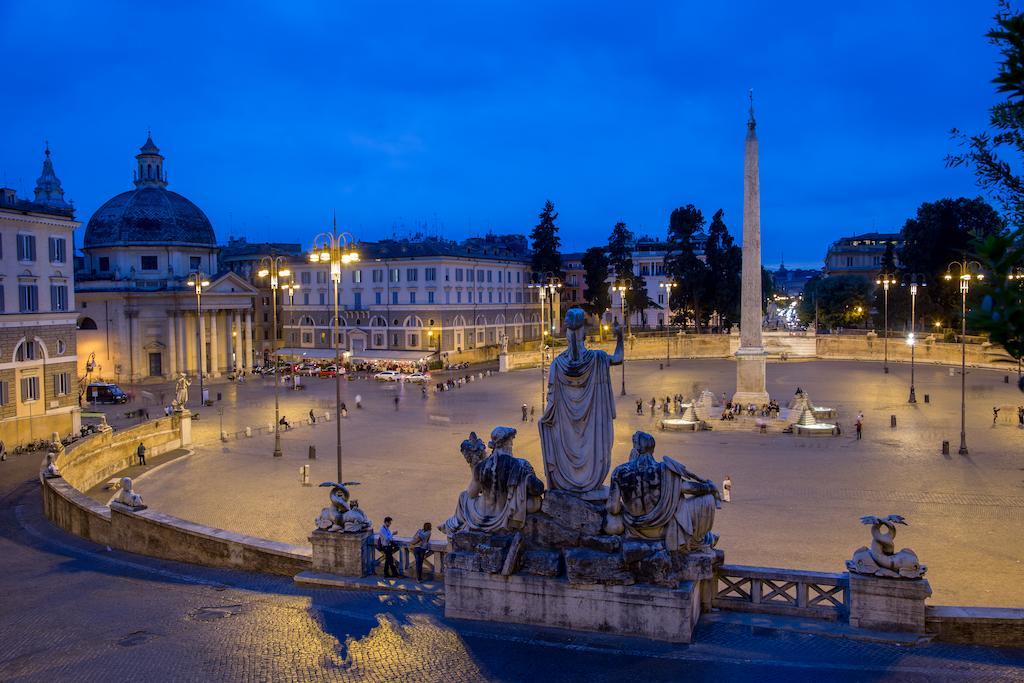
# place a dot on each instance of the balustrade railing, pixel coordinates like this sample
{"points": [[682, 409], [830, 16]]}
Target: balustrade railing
{"points": [[789, 592], [433, 563]]}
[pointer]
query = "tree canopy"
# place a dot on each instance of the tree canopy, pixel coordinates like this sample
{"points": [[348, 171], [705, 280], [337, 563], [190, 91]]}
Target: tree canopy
{"points": [[546, 243], [596, 271], [840, 300], [690, 296]]}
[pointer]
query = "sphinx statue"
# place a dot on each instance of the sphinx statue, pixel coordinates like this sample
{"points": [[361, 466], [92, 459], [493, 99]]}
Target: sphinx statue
{"points": [[503, 488], [881, 559], [342, 515], [661, 500], [576, 430], [126, 496], [51, 471]]}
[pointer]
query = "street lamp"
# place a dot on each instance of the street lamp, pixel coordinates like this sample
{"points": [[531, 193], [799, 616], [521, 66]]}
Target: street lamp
{"points": [[546, 284], [969, 270], [197, 281], [1017, 275], [622, 286], [337, 249], [886, 279], [915, 280], [271, 265], [668, 285]]}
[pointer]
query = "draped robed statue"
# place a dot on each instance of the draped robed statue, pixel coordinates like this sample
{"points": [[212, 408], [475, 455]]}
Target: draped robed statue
{"points": [[576, 430]]}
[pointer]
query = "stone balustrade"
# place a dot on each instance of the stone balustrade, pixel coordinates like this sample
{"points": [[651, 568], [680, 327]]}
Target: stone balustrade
{"points": [[787, 592]]}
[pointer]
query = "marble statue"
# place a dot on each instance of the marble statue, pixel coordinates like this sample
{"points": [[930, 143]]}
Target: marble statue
{"points": [[651, 499], [181, 391], [128, 497], [504, 343], [881, 559], [56, 445], [51, 471], [503, 488], [473, 449], [341, 515], [576, 430]]}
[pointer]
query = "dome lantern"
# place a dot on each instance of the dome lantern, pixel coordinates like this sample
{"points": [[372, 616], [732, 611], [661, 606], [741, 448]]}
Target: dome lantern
{"points": [[151, 165]]}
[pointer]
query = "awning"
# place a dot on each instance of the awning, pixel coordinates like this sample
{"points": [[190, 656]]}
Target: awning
{"points": [[387, 354], [309, 353]]}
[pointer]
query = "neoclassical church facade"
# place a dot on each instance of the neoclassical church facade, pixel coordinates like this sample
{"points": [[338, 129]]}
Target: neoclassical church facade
{"points": [[139, 319]]}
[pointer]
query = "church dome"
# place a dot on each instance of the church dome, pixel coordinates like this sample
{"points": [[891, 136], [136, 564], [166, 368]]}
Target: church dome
{"points": [[150, 214]]}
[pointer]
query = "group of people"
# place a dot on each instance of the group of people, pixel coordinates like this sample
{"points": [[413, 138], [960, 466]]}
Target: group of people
{"points": [[734, 410], [666, 406], [458, 382], [1020, 415], [388, 546]]}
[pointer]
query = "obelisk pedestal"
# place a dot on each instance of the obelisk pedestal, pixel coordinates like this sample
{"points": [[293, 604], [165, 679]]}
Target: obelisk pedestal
{"points": [[750, 358]]}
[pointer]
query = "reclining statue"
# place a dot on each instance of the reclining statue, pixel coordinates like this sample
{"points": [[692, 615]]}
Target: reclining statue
{"points": [[128, 497], [661, 500], [503, 488]]}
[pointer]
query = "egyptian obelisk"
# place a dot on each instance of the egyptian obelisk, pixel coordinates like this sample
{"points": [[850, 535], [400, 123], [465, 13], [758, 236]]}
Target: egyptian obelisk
{"points": [[750, 357]]}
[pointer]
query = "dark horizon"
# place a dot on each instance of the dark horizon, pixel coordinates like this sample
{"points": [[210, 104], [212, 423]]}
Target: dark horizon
{"points": [[466, 121]]}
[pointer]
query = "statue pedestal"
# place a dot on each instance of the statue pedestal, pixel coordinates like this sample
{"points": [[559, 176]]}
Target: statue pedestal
{"points": [[750, 377], [668, 614], [502, 362], [185, 422], [888, 604], [336, 552]]}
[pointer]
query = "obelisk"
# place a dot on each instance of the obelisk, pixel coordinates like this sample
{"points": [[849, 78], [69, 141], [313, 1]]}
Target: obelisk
{"points": [[750, 357]]}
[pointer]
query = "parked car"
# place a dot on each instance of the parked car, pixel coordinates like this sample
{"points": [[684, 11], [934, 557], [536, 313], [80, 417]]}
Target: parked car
{"points": [[420, 377], [331, 371], [105, 392], [307, 369], [388, 376]]}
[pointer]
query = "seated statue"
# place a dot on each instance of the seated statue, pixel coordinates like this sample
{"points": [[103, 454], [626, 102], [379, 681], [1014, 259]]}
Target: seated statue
{"points": [[661, 500], [128, 497], [51, 471], [341, 515], [355, 520], [503, 488]]}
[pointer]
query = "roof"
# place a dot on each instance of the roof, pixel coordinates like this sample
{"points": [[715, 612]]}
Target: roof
{"points": [[149, 216], [479, 248]]}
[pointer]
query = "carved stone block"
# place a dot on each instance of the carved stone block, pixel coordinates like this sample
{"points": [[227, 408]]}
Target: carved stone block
{"points": [[635, 551], [491, 559], [468, 540], [606, 544], [693, 566], [657, 569], [514, 555], [544, 532], [584, 566], [542, 562], [463, 560], [572, 511]]}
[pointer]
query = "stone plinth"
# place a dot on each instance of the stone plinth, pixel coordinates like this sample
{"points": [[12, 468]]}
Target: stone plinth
{"points": [[888, 604], [503, 362], [750, 377], [336, 552], [668, 614]]}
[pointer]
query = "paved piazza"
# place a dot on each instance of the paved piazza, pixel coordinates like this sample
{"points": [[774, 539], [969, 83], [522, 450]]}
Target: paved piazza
{"points": [[796, 501]]}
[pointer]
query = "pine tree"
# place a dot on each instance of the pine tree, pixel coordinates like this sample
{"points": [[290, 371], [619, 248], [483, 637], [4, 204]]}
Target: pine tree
{"points": [[620, 258], [546, 243], [684, 267], [596, 271]]}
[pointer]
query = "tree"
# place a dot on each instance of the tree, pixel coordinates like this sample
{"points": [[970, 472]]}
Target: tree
{"points": [[620, 258], [767, 288], [690, 274], [896, 310], [724, 261], [595, 278], [840, 300], [546, 243]]}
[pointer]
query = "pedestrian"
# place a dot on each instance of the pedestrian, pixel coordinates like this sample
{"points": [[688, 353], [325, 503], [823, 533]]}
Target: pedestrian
{"points": [[727, 489], [396, 403], [344, 410], [532, 410], [141, 452], [386, 544], [3, 451], [420, 547], [284, 422], [652, 407], [995, 415], [359, 402], [312, 417], [525, 412], [1020, 416], [639, 407], [859, 427]]}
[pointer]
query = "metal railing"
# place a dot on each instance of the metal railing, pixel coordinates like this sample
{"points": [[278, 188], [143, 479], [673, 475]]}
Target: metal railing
{"points": [[788, 592]]}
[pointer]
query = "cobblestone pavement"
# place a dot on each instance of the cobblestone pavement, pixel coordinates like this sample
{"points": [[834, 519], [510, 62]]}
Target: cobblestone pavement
{"points": [[74, 611], [797, 501]]}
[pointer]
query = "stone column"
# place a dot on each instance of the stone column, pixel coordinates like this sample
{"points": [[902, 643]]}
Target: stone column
{"points": [[248, 340], [172, 346], [134, 364], [750, 358], [215, 348], [202, 362], [186, 357], [236, 332]]}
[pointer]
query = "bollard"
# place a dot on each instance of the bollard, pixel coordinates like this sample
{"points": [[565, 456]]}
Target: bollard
{"points": [[951, 372], [223, 436], [887, 369], [248, 431], [892, 421], [1006, 379], [312, 452], [927, 398], [218, 395], [945, 448]]}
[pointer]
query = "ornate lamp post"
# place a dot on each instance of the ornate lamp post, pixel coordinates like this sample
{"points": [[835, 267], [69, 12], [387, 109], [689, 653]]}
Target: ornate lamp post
{"points": [[546, 285], [668, 286], [968, 270], [197, 281], [271, 265], [337, 249], [622, 286], [915, 280], [886, 279]]}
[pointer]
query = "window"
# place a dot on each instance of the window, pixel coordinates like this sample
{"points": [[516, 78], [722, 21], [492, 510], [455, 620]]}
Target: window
{"points": [[5, 393], [104, 264], [499, 297], [430, 274], [307, 337], [471, 296], [430, 297], [499, 276], [849, 261], [877, 261], [661, 298], [490, 297], [321, 277], [266, 301], [378, 276], [61, 383], [394, 297], [195, 262], [27, 350], [411, 274], [148, 262], [414, 340], [395, 275], [323, 296], [28, 298], [58, 297], [357, 277], [412, 297], [479, 276], [376, 298], [490, 273], [26, 247], [358, 302], [2, 307], [29, 389], [458, 297], [58, 250], [305, 277], [458, 274], [305, 296]]}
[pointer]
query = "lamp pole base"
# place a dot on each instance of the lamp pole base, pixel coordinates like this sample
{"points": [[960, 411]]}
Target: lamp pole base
{"points": [[913, 396]]}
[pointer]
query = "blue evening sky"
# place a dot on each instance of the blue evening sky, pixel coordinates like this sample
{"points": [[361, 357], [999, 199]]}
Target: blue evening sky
{"points": [[463, 117]]}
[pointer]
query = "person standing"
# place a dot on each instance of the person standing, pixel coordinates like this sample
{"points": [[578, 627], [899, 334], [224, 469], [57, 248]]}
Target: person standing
{"points": [[141, 452], [995, 415], [652, 407], [359, 401], [639, 407], [420, 547], [3, 451], [525, 413], [859, 427], [727, 489], [532, 411], [344, 410], [396, 403], [386, 544], [312, 417]]}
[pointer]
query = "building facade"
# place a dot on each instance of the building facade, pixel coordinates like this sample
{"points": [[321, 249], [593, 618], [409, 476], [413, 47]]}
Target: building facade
{"points": [[39, 387], [410, 299], [860, 255], [139, 319]]}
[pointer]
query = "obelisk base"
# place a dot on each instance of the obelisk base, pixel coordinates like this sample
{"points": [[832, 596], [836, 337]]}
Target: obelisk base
{"points": [[750, 377]]}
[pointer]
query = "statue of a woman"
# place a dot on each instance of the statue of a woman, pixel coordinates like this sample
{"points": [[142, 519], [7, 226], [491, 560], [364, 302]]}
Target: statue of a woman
{"points": [[181, 391]]}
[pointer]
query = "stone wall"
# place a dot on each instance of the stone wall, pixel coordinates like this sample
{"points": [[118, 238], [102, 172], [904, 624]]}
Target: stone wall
{"points": [[1003, 627]]}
